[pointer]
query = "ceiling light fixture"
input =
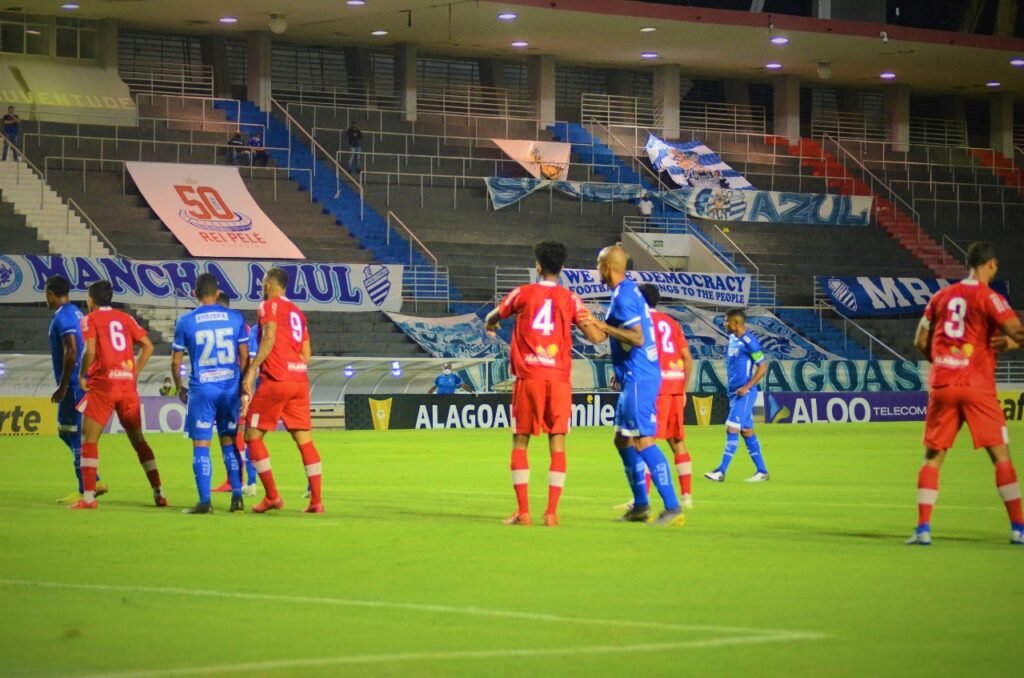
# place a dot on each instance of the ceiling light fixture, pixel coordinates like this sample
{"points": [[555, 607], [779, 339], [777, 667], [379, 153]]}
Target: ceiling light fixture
{"points": [[228, 20], [278, 24], [1017, 61], [773, 66], [355, 3], [887, 75], [379, 33], [520, 43], [508, 16], [779, 40], [69, 6], [993, 83], [648, 29], [32, 31], [648, 55]]}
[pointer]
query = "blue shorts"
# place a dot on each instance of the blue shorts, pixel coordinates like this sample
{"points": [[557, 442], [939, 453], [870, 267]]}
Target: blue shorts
{"points": [[209, 408], [636, 412], [69, 419], [741, 410]]}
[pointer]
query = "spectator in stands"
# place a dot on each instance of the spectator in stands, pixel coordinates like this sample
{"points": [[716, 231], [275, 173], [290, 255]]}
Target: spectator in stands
{"points": [[168, 388], [238, 152], [447, 382], [646, 206], [259, 154], [11, 121], [355, 144]]}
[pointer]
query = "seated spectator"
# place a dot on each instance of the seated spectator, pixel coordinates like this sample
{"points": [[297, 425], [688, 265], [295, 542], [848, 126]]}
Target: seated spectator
{"points": [[259, 153], [238, 153]]}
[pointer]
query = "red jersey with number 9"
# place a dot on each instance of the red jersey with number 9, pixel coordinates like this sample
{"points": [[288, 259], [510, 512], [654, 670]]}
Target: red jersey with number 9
{"points": [[115, 333], [963, 318], [671, 343], [542, 339], [285, 360]]}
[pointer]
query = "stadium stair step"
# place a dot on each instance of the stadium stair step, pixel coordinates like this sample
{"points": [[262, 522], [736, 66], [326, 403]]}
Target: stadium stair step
{"points": [[823, 333], [1009, 173]]}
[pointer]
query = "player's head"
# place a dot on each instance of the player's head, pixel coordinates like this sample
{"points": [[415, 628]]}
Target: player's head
{"points": [[224, 300], [550, 256], [611, 264], [275, 281], [981, 259], [206, 287], [651, 295], [735, 320], [57, 290], [101, 293]]}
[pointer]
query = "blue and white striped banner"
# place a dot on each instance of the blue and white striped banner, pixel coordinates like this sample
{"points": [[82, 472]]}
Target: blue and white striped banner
{"points": [[694, 164]]}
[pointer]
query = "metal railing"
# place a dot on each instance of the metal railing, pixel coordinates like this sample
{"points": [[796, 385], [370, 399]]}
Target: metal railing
{"points": [[392, 222], [160, 78], [183, 102], [938, 132], [917, 158], [840, 125], [975, 217], [359, 95], [144, 123], [422, 284], [472, 100], [1010, 372], [716, 117], [947, 243], [617, 110], [822, 306]]}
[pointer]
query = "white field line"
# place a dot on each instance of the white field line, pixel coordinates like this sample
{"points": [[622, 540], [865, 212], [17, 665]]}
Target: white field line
{"points": [[523, 653]]}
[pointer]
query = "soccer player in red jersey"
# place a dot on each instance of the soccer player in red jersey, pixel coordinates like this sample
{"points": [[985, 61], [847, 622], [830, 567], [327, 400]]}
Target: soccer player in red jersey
{"points": [[283, 393], [108, 378], [676, 367], [541, 362], [959, 334]]}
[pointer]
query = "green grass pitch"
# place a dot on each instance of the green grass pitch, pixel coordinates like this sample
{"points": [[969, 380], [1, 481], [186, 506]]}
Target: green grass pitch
{"points": [[410, 571]]}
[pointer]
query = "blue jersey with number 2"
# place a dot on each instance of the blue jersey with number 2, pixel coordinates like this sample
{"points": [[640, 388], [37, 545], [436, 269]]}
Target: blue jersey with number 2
{"points": [[211, 335]]}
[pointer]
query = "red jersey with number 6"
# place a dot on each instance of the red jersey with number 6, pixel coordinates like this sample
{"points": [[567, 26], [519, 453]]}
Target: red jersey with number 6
{"points": [[542, 339], [963, 318], [115, 333], [285, 360], [671, 343]]}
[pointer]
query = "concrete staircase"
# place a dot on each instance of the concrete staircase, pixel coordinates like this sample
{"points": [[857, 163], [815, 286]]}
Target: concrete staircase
{"points": [[1005, 168]]}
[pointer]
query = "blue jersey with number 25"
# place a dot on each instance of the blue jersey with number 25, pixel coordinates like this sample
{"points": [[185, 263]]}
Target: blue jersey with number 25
{"points": [[211, 335]]}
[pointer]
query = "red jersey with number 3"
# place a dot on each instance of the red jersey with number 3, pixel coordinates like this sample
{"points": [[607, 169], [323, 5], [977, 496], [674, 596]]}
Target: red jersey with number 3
{"points": [[542, 339], [285, 360], [671, 344], [963, 318], [115, 333]]}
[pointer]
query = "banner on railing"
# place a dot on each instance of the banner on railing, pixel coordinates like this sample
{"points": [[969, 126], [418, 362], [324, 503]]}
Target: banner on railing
{"points": [[461, 336], [505, 191], [169, 283], [778, 340], [722, 289], [875, 296], [542, 159], [726, 204], [210, 211], [844, 408], [693, 164]]}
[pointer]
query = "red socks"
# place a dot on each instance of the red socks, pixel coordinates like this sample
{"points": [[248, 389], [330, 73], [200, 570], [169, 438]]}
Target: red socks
{"points": [[521, 479], [148, 461], [556, 481], [684, 468], [311, 460], [1006, 483], [261, 460], [90, 464], [927, 493]]}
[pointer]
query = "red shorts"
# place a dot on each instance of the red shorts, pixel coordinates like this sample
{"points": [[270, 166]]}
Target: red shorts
{"points": [[98, 405], [277, 400], [950, 406], [670, 416], [540, 406]]}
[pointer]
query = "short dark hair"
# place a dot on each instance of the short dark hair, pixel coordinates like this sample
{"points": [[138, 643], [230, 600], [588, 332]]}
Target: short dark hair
{"points": [[58, 285], [551, 256], [101, 292], [224, 300], [980, 253], [736, 312], [652, 295], [278, 275], [206, 285]]}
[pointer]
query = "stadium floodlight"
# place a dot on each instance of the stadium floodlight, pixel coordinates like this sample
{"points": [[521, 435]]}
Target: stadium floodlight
{"points": [[520, 43], [887, 75], [229, 20], [993, 84], [355, 3], [648, 55], [378, 33], [396, 368], [70, 6], [648, 29]]}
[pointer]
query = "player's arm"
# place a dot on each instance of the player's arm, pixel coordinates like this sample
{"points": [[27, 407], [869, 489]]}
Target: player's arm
{"points": [[268, 332], [176, 358], [493, 320], [70, 347], [1013, 332], [634, 336], [923, 338], [87, 360], [687, 367], [507, 307], [760, 369]]}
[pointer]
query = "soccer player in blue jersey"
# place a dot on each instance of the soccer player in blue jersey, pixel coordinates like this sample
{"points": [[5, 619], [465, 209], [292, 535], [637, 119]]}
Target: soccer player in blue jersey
{"points": [[66, 349], [638, 372], [218, 347], [745, 367]]}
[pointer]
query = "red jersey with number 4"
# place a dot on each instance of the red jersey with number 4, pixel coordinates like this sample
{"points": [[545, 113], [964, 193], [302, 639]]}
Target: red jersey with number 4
{"points": [[115, 333], [285, 360], [671, 343], [542, 339], [963, 319]]}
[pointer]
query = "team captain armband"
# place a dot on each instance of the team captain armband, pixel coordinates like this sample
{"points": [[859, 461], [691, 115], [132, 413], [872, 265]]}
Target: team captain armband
{"points": [[757, 356]]}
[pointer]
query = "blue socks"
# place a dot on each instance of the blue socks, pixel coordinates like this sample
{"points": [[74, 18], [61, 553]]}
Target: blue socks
{"points": [[754, 448], [74, 443], [662, 479], [203, 472], [233, 464], [732, 441], [635, 476]]}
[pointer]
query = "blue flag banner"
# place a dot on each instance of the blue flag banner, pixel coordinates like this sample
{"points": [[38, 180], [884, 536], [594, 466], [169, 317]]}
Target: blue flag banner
{"points": [[505, 191], [693, 164], [460, 336], [774, 207], [874, 296]]}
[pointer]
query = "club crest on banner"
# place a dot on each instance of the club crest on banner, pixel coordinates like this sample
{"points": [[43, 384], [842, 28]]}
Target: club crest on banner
{"points": [[10, 276], [842, 293], [721, 204], [377, 282]]}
